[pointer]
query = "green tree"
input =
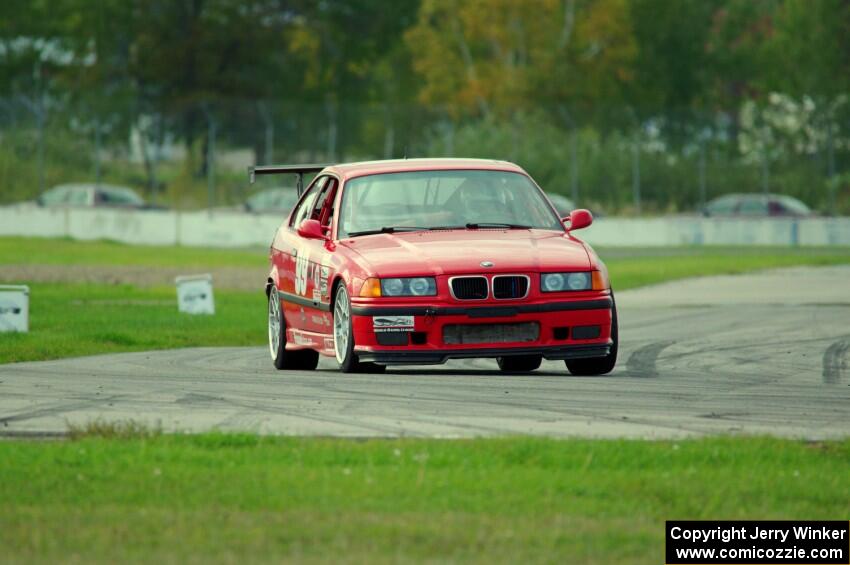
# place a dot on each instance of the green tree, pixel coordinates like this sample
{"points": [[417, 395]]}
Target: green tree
{"points": [[673, 67], [494, 58]]}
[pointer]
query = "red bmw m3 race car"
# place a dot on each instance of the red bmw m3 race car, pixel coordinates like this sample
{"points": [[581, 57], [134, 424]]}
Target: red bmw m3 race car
{"points": [[423, 260]]}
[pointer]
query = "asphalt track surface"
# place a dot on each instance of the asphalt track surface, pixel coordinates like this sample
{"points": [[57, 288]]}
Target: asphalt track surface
{"points": [[765, 353]]}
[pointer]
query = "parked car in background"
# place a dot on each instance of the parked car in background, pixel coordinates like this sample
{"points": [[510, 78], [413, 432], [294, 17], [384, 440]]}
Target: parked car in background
{"points": [[756, 205], [91, 195], [272, 200], [566, 205], [563, 204]]}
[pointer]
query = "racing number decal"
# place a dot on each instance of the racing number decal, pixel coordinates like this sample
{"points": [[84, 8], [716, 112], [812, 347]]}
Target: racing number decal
{"points": [[305, 272], [302, 263]]}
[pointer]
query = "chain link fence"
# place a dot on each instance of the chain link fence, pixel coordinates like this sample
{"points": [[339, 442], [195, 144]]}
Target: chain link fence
{"points": [[659, 165]]}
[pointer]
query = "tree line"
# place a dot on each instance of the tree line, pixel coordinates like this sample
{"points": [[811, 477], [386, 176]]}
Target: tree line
{"points": [[563, 86]]}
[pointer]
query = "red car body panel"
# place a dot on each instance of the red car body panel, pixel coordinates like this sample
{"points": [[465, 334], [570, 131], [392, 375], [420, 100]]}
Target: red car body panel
{"points": [[461, 252], [306, 272]]}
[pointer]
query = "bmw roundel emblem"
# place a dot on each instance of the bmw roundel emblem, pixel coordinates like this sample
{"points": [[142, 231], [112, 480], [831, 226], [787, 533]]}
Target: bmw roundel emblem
{"points": [[487, 264]]}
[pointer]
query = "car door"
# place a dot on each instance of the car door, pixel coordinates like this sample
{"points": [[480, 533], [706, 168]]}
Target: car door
{"points": [[306, 298], [285, 258], [315, 262]]}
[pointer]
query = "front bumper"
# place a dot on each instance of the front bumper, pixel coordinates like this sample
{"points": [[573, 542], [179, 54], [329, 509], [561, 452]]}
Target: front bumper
{"points": [[437, 357], [563, 326]]}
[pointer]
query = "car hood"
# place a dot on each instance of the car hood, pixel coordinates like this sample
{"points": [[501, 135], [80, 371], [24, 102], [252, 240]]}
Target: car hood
{"points": [[458, 252]]}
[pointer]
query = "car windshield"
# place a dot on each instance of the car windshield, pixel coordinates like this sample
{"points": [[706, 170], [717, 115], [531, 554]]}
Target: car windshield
{"points": [[794, 206], [443, 199], [58, 195], [120, 195]]}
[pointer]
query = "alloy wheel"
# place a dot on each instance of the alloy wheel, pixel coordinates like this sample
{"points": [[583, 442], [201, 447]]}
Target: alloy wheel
{"points": [[342, 324]]}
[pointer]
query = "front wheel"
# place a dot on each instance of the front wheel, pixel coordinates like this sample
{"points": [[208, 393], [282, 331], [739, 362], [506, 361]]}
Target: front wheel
{"points": [[304, 359], [344, 337], [519, 363], [598, 365]]}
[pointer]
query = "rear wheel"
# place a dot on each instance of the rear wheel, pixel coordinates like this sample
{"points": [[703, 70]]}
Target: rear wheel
{"points": [[344, 337], [519, 363], [598, 365], [303, 359]]}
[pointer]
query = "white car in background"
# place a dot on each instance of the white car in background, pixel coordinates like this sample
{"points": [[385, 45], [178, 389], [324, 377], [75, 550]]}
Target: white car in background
{"points": [[272, 201], [93, 195], [755, 205], [563, 204], [566, 205]]}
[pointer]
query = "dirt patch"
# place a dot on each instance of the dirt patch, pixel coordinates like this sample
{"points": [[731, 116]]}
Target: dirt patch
{"points": [[233, 278]]}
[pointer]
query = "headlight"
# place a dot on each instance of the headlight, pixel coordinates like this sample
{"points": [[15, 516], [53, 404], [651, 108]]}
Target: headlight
{"points": [[418, 286], [553, 282], [392, 287], [558, 282], [421, 286]]}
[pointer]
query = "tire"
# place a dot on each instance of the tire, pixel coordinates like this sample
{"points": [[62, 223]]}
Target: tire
{"points": [[519, 363], [598, 365], [344, 337], [299, 360]]}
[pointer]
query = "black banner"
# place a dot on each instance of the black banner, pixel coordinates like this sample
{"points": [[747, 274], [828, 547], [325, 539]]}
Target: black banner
{"points": [[753, 541]]}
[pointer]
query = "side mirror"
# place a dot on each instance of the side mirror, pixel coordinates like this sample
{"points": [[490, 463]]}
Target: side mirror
{"points": [[311, 229], [578, 219]]}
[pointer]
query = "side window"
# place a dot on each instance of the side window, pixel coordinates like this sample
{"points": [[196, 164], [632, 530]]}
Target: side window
{"points": [[323, 204], [316, 208], [328, 206], [724, 205], [753, 207], [775, 208], [305, 207], [79, 196]]}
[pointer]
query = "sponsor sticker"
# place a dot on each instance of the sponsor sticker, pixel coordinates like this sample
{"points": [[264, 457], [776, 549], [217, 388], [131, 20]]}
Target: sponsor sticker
{"points": [[323, 281], [302, 340], [392, 323]]}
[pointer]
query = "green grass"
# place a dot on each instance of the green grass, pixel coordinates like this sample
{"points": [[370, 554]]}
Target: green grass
{"points": [[629, 267], [635, 267], [74, 320], [227, 498], [35, 251], [124, 494]]}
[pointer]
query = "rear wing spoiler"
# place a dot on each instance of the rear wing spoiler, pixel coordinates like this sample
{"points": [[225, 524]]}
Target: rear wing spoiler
{"points": [[298, 170]]}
